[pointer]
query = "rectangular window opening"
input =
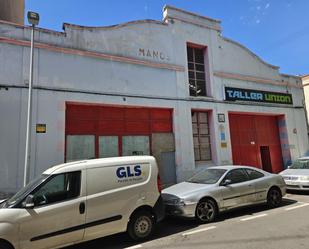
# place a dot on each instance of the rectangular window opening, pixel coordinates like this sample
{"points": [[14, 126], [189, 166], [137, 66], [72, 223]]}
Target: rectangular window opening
{"points": [[196, 71], [201, 136]]}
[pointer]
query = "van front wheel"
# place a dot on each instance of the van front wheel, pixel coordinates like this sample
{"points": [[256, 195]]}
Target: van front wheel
{"points": [[5, 245], [141, 225]]}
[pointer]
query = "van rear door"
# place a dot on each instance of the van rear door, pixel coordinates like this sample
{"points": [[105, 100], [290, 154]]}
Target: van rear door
{"points": [[112, 193]]}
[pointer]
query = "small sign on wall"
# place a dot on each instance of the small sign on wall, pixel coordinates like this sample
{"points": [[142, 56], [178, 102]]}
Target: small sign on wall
{"points": [[137, 153], [222, 134], [221, 118], [40, 128], [223, 144]]}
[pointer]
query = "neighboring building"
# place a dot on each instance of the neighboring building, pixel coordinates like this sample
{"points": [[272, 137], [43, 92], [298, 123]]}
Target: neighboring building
{"points": [[176, 89], [305, 80], [12, 11]]}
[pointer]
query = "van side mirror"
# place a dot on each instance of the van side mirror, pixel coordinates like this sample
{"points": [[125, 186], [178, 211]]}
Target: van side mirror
{"points": [[226, 182], [29, 202]]}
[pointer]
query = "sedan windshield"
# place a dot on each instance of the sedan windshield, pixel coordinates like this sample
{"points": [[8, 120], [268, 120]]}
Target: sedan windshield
{"points": [[208, 176], [300, 164], [21, 194]]}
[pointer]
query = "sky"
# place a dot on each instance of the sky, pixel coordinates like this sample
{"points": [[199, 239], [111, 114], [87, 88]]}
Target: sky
{"points": [[275, 30]]}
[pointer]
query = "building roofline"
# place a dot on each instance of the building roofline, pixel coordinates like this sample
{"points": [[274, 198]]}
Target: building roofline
{"points": [[12, 23], [81, 27], [115, 26], [291, 76], [17, 25], [248, 50], [191, 13], [305, 77], [264, 62]]}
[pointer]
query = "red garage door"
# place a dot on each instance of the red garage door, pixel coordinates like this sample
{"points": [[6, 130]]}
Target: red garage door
{"points": [[94, 131], [255, 141]]}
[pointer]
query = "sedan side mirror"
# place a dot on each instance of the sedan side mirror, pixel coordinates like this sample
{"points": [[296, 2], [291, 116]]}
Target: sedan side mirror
{"points": [[29, 202], [226, 182]]}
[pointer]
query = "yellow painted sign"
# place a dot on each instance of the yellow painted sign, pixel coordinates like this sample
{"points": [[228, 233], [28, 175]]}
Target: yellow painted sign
{"points": [[40, 128], [223, 145]]}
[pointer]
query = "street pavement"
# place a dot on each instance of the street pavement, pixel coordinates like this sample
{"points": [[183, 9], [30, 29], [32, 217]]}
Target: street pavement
{"points": [[258, 227]]}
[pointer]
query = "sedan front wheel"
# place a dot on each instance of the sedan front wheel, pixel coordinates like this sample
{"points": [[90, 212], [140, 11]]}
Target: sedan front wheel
{"points": [[206, 211], [274, 198]]}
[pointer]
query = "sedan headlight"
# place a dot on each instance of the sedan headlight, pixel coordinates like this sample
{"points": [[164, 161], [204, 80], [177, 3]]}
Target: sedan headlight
{"points": [[183, 202], [174, 201], [179, 202], [304, 178]]}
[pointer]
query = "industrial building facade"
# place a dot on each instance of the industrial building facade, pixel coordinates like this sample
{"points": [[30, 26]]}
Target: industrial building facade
{"points": [[175, 89]]}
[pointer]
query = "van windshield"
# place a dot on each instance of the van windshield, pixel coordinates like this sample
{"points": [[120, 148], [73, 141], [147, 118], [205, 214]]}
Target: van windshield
{"points": [[21, 194]]}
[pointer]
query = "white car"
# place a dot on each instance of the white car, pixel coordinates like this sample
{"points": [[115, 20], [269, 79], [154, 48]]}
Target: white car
{"points": [[296, 176], [85, 200]]}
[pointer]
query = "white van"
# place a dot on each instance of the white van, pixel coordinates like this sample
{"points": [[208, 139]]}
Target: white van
{"points": [[85, 200]]}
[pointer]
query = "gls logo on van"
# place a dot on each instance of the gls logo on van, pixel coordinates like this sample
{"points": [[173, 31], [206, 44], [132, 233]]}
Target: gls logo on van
{"points": [[125, 172]]}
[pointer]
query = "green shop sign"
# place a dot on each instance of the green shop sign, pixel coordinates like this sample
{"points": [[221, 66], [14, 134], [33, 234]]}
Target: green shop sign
{"points": [[233, 94]]}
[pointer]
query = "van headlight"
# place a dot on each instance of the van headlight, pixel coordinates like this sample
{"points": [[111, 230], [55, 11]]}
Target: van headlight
{"points": [[304, 178]]}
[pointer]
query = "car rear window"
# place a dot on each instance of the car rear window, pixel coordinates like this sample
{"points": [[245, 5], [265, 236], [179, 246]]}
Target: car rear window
{"points": [[253, 174], [208, 176]]}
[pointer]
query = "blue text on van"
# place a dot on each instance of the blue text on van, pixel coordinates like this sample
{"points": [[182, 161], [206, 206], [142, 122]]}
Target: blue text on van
{"points": [[123, 172]]}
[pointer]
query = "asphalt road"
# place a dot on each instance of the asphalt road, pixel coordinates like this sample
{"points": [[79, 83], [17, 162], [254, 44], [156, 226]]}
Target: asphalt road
{"points": [[286, 227]]}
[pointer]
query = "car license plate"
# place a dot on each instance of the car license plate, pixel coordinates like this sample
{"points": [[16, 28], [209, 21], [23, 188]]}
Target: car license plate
{"points": [[290, 178], [291, 183]]}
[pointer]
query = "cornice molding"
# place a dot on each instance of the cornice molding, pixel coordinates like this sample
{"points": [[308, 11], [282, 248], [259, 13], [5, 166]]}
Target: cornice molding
{"points": [[255, 79], [92, 54]]}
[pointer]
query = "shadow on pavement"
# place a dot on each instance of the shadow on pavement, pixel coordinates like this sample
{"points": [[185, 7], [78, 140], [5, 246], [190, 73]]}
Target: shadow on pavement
{"points": [[169, 227], [165, 228], [250, 210], [298, 192]]}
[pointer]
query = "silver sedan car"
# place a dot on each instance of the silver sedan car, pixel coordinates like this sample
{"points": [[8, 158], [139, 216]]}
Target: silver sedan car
{"points": [[296, 176], [221, 188]]}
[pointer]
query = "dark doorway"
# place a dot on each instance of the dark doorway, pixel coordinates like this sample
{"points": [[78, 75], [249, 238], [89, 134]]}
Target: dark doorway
{"points": [[265, 156]]}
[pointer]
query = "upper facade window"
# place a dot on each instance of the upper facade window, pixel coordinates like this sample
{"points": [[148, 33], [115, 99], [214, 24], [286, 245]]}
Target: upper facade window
{"points": [[196, 70]]}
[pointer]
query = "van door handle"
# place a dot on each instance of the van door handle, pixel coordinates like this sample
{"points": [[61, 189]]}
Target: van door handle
{"points": [[82, 208]]}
